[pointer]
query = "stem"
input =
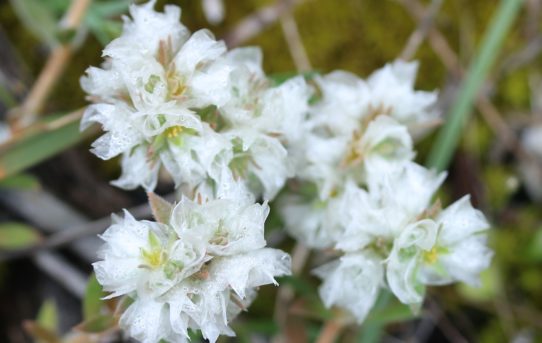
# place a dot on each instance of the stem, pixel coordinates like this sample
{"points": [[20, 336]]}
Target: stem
{"points": [[449, 136], [51, 72], [330, 332]]}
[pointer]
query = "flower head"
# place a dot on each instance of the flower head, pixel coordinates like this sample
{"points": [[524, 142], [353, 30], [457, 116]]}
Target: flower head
{"points": [[197, 270], [169, 98]]}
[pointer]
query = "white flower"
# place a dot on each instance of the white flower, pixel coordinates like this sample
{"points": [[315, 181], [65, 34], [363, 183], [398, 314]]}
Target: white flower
{"points": [[261, 122], [352, 282], [451, 247], [380, 212], [342, 105], [347, 100], [148, 94], [331, 161], [392, 88], [310, 221], [403, 191], [170, 98], [461, 246], [357, 123], [191, 272]]}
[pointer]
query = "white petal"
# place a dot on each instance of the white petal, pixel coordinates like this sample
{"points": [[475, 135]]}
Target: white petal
{"points": [[459, 221], [352, 282], [138, 171], [201, 47], [147, 321], [405, 260]]}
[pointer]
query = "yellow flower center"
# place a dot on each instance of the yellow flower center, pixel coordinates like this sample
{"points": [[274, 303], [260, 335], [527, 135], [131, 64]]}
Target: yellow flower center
{"points": [[431, 256], [174, 131], [153, 258]]}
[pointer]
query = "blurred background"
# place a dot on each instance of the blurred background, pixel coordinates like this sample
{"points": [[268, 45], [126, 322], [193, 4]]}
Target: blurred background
{"points": [[55, 196]]}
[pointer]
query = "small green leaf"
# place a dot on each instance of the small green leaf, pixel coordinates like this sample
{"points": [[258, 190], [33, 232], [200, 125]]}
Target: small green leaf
{"points": [[97, 19], [161, 208], [39, 333], [534, 249], [48, 316], [37, 18], [40, 142], [394, 312], [15, 236], [21, 181], [97, 324], [92, 301]]}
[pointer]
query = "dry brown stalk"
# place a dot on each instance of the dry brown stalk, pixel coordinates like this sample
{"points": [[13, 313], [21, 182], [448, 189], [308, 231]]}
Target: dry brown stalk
{"points": [[28, 112]]}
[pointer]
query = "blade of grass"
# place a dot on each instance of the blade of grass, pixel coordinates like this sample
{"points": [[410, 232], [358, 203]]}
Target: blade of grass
{"points": [[449, 136], [41, 142]]}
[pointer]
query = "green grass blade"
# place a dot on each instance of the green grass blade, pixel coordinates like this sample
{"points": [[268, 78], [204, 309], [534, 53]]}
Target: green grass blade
{"points": [[449, 136], [39, 143]]}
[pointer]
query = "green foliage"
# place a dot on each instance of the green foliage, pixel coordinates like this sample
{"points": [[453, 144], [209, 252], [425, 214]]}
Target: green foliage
{"points": [[97, 324], [15, 236], [48, 316], [42, 142], [38, 18], [386, 310], [92, 301], [501, 184], [45, 328], [449, 137], [21, 181], [534, 248], [41, 18], [101, 21]]}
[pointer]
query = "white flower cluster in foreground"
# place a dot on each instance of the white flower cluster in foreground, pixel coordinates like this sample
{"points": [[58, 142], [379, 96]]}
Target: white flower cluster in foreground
{"points": [[196, 270], [227, 136], [169, 98], [363, 196]]}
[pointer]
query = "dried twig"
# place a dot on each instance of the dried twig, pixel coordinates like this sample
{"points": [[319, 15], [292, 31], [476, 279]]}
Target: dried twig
{"points": [[450, 60], [255, 23], [285, 294], [295, 44], [330, 331], [63, 272], [424, 25], [27, 113], [74, 234]]}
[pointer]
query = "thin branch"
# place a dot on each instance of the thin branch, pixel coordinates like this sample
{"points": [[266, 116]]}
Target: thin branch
{"points": [[55, 65], [436, 38], [65, 237], [255, 23], [62, 272], [294, 41], [450, 60], [285, 294], [418, 36], [331, 330], [445, 325]]}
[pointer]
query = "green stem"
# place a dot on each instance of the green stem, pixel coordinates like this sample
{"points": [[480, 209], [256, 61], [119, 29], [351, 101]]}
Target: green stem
{"points": [[449, 136]]}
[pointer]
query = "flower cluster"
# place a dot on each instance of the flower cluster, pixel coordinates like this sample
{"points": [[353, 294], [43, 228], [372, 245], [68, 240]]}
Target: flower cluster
{"points": [[195, 270], [228, 136], [210, 117], [169, 98], [363, 196]]}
